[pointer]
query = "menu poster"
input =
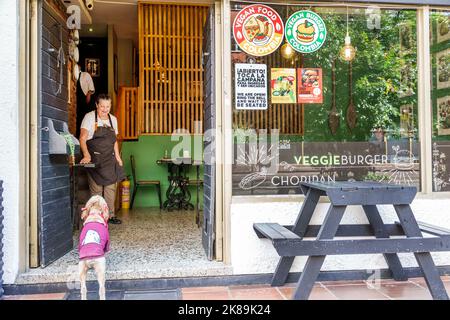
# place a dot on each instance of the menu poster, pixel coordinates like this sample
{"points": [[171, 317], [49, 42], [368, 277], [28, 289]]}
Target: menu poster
{"points": [[310, 85], [283, 85], [250, 86]]}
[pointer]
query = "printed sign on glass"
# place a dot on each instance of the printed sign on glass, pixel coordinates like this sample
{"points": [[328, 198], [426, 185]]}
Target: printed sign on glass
{"points": [[443, 27], [443, 115], [406, 120], [443, 69], [250, 86], [258, 30], [282, 85], [305, 31], [310, 85]]}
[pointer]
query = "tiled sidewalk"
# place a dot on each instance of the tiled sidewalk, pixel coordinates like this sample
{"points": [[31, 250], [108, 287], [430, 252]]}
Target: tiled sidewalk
{"points": [[413, 289]]}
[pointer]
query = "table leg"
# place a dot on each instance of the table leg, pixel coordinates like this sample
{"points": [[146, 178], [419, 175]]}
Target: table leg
{"points": [[299, 228], [312, 267], [424, 259], [392, 260]]}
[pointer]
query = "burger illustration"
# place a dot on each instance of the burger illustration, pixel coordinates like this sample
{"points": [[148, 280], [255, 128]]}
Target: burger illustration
{"points": [[310, 78], [306, 32], [258, 29]]}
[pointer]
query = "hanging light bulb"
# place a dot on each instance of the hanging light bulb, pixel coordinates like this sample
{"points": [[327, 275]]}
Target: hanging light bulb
{"points": [[287, 51], [347, 52]]}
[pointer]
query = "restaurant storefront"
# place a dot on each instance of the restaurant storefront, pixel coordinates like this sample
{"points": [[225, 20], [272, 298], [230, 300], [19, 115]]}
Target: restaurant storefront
{"points": [[304, 92], [327, 91]]}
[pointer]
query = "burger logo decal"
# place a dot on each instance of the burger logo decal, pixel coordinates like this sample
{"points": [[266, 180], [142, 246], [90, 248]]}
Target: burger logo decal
{"points": [[305, 31], [258, 30]]}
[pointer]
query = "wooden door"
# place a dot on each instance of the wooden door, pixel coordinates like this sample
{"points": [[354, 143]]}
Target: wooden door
{"points": [[208, 234], [54, 205]]}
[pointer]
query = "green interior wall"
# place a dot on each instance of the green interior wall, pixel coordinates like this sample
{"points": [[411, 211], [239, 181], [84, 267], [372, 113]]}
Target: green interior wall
{"points": [[146, 151]]}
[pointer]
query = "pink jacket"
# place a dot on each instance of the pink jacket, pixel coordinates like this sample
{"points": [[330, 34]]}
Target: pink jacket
{"points": [[94, 241]]}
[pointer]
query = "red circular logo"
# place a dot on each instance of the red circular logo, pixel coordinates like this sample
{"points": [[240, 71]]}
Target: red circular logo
{"points": [[258, 30]]}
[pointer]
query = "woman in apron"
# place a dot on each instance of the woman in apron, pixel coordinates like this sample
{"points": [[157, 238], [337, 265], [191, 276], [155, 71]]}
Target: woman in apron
{"points": [[99, 146]]}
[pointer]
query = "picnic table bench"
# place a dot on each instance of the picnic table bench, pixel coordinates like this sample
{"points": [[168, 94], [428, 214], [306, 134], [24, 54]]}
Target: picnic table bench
{"points": [[289, 241]]}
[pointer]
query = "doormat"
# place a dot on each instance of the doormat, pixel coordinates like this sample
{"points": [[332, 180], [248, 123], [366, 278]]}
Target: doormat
{"points": [[163, 294], [174, 294], [93, 295]]}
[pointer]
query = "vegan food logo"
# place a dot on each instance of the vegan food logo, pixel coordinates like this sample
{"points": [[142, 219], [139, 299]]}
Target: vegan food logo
{"points": [[305, 31], [258, 30]]}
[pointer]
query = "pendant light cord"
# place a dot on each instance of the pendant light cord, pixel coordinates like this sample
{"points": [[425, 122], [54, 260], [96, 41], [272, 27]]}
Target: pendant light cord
{"points": [[347, 21]]}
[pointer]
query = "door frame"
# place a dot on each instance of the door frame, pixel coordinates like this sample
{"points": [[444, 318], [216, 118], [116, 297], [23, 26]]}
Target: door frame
{"points": [[28, 126], [24, 181]]}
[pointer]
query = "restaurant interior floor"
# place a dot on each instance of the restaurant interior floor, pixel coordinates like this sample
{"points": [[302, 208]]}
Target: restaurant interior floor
{"points": [[149, 243]]}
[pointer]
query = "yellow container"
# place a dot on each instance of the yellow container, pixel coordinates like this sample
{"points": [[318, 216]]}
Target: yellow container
{"points": [[126, 194]]}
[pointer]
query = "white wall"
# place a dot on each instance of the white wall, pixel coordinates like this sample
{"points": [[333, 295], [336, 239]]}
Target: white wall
{"points": [[9, 134], [250, 255]]}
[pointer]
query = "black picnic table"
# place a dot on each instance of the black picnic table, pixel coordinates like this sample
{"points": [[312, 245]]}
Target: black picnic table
{"points": [[289, 243]]}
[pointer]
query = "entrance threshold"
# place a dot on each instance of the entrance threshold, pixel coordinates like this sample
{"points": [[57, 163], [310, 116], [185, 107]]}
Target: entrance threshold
{"points": [[149, 244]]}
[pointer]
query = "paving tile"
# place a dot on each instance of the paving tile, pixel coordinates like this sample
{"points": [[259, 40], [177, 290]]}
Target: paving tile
{"points": [[251, 286], [343, 282], [447, 287], [404, 291], [356, 292], [44, 296], [422, 283], [256, 293], [211, 295], [318, 293], [203, 289]]}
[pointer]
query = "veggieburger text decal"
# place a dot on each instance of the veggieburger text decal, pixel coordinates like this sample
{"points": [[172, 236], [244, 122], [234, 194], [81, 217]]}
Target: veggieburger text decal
{"points": [[305, 31], [258, 30]]}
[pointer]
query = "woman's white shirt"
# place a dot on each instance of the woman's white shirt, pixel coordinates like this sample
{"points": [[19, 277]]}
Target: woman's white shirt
{"points": [[88, 123]]}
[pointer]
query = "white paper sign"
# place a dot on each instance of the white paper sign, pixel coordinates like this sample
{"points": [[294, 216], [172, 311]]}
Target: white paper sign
{"points": [[250, 86]]}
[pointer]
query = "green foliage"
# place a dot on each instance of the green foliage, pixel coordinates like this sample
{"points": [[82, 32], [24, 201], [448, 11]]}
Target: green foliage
{"points": [[377, 74]]}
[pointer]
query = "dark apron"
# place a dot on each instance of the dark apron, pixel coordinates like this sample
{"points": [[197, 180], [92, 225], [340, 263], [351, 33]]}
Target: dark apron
{"points": [[101, 148]]}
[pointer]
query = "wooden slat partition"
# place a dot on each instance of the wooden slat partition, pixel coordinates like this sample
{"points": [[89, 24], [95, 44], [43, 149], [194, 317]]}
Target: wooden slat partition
{"points": [[287, 118], [128, 115], [170, 68]]}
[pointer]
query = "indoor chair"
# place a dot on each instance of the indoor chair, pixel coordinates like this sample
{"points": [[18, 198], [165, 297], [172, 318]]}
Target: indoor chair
{"points": [[143, 183]]}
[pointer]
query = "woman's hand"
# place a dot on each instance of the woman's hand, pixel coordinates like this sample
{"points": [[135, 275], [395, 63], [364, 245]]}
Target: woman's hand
{"points": [[86, 159], [120, 162]]}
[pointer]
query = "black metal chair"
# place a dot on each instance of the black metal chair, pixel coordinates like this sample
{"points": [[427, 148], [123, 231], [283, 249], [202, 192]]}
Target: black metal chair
{"points": [[143, 183]]}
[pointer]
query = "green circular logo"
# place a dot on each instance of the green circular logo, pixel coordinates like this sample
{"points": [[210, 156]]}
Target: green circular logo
{"points": [[305, 31]]}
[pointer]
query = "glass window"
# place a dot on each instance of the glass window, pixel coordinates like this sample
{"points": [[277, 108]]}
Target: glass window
{"points": [[440, 97], [322, 114]]}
